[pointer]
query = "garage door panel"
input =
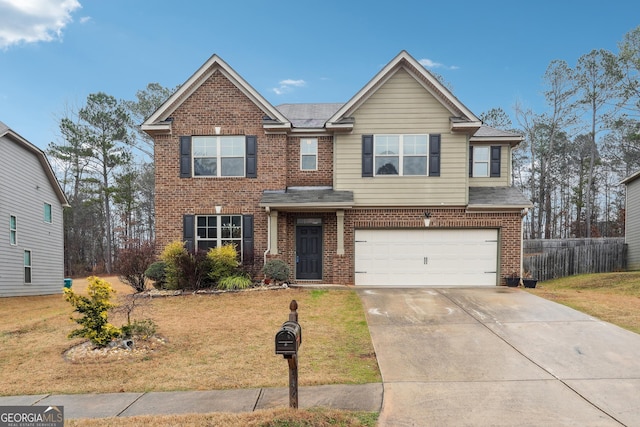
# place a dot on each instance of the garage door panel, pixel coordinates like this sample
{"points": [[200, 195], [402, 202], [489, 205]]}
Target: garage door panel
{"points": [[434, 257]]}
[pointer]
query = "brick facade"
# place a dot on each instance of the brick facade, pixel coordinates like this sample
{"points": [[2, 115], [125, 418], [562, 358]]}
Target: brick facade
{"points": [[219, 106]]}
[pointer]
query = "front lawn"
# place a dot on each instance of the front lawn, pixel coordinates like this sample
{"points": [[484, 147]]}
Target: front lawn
{"points": [[612, 297]]}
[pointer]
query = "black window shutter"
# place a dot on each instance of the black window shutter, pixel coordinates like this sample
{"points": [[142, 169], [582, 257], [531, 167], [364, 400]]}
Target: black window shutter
{"points": [[470, 161], [247, 239], [188, 231], [495, 161], [434, 155], [185, 157], [252, 156], [367, 155]]}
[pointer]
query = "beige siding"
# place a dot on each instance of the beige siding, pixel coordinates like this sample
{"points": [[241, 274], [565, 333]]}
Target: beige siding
{"points": [[403, 106], [505, 171], [632, 232]]}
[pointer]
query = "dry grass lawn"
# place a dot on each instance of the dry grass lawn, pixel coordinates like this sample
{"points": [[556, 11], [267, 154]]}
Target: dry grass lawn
{"points": [[612, 297], [212, 342]]}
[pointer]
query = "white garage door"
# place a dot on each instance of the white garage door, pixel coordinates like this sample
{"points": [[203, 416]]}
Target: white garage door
{"points": [[429, 257]]}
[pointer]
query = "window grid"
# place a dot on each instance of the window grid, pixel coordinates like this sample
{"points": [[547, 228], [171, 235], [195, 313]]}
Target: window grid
{"points": [[401, 155], [309, 154], [13, 230], [218, 156], [217, 230]]}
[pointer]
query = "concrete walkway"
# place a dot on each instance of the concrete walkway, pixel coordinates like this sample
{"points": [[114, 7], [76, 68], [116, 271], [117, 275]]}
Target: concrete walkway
{"points": [[367, 397], [499, 357]]}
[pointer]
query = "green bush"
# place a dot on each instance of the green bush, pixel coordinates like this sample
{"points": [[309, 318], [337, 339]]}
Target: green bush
{"points": [[223, 261], [173, 255], [94, 310], [141, 329], [276, 269], [235, 282], [157, 273]]}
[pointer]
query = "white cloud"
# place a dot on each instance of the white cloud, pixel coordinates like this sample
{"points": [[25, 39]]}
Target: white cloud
{"points": [[31, 21], [287, 86], [428, 63]]}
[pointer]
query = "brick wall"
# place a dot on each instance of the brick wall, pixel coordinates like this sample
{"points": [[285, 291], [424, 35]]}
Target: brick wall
{"points": [[321, 177]]}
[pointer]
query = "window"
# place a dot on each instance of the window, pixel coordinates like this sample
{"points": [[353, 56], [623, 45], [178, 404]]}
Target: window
{"points": [[27, 266], [480, 161], [484, 161], [308, 154], [218, 156], [13, 230], [47, 212], [402, 155], [217, 230]]}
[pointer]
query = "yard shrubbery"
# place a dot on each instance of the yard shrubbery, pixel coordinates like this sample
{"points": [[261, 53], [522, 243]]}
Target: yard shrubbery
{"points": [[181, 269]]}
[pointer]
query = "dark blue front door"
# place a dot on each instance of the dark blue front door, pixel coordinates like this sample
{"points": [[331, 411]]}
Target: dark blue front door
{"points": [[309, 252]]}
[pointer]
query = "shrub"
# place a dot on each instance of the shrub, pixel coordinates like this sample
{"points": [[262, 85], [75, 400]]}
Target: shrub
{"points": [[157, 273], [141, 329], [132, 263], [224, 262], [172, 255], [194, 270], [235, 282], [276, 269], [94, 308]]}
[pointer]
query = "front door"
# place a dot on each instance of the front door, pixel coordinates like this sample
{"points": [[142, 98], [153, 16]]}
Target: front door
{"points": [[309, 252]]}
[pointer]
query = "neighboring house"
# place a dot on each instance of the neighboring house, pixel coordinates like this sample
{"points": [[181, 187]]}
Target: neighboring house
{"points": [[632, 221], [340, 192], [31, 203]]}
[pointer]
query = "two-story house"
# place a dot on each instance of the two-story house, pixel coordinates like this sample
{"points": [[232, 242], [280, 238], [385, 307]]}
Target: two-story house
{"points": [[31, 204], [401, 185]]}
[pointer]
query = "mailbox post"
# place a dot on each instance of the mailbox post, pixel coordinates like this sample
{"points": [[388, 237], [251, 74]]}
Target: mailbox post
{"points": [[288, 340]]}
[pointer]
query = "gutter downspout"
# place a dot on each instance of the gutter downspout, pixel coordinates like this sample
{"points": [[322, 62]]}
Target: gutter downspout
{"points": [[268, 211], [524, 213]]}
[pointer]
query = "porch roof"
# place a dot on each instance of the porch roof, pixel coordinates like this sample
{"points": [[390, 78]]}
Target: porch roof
{"points": [[307, 198], [482, 198]]}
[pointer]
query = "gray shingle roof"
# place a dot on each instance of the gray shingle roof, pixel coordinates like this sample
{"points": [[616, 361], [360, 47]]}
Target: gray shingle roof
{"points": [[498, 196], [307, 196], [308, 115], [488, 131]]}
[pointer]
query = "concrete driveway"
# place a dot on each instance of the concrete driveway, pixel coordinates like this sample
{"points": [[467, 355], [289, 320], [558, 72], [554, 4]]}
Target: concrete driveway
{"points": [[499, 357]]}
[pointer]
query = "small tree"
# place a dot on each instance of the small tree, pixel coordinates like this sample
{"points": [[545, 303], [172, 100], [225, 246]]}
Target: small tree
{"points": [[132, 263], [94, 309]]}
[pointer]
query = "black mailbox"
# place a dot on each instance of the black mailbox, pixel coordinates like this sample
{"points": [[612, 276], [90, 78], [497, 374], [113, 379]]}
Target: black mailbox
{"points": [[288, 339]]}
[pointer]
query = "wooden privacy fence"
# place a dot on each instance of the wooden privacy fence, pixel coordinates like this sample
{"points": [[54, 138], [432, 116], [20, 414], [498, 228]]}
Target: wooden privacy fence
{"points": [[550, 259]]}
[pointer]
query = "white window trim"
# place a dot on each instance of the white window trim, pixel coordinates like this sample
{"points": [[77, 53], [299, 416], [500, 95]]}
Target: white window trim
{"points": [[218, 157], [219, 239], [315, 154], [13, 230], [401, 154], [487, 162], [30, 267], [50, 213]]}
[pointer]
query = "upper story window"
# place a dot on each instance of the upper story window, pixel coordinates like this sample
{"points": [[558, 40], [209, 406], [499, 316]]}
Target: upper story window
{"points": [[47, 212], [27, 266], [401, 155], [308, 154], [484, 161], [218, 156], [13, 230]]}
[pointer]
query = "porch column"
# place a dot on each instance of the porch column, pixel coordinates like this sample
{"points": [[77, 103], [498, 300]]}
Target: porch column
{"points": [[340, 232], [273, 220]]}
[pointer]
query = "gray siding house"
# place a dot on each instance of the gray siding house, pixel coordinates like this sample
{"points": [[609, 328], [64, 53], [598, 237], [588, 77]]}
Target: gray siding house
{"points": [[632, 221], [31, 204]]}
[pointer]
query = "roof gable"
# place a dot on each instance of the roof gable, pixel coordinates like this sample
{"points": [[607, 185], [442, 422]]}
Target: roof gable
{"points": [[159, 120], [462, 117], [6, 132]]}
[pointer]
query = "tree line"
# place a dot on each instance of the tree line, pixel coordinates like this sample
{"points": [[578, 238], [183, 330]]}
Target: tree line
{"points": [[574, 154]]}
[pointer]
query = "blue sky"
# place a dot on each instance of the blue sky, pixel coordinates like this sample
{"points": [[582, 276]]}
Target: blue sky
{"points": [[53, 53]]}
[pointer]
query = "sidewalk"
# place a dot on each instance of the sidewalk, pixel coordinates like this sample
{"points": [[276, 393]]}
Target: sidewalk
{"points": [[366, 397]]}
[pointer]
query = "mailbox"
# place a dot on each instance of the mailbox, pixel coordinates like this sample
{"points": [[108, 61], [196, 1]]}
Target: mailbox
{"points": [[288, 339]]}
